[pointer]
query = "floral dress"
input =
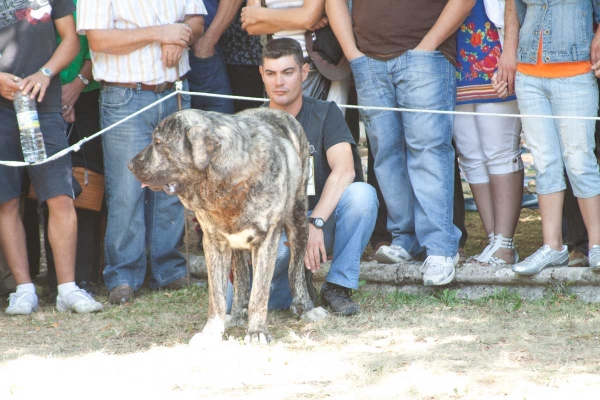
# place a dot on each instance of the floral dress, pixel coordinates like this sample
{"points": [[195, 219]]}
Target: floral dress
{"points": [[478, 47]]}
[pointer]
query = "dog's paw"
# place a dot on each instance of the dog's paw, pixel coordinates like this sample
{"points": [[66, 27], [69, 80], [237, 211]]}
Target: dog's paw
{"points": [[205, 339], [316, 314], [260, 337], [299, 308], [238, 321]]}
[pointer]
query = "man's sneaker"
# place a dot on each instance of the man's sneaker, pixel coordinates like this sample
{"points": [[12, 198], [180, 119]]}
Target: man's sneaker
{"points": [[594, 257], [22, 303], [79, 301], [392, 255], [439, 270], [338, 299], [578, 258], [544, 257]]}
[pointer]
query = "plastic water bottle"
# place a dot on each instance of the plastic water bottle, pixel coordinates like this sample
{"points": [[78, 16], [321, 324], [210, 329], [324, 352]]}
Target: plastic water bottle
{"points": [[32, 141]]}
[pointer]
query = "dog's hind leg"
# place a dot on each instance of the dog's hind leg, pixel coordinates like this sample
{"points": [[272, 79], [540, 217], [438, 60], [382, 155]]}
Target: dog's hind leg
{"points": [[218, 261], [241, 285], [263, 265]]}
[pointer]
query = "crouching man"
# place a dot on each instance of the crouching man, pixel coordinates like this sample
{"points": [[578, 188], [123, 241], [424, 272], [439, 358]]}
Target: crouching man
{"points": [[341, 212]]}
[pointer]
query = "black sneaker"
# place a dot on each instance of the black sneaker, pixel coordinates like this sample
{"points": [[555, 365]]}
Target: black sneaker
{"points": [[338, 299]]}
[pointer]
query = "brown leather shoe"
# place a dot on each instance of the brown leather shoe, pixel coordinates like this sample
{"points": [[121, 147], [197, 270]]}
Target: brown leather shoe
{"points": [[182, 282], [121, 294]]}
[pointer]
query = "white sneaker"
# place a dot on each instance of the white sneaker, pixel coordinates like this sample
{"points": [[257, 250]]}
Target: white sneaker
{"points": [[439, 270], [79, 301], [392, 255], [594, 257], [544, 257], [22, 303]]}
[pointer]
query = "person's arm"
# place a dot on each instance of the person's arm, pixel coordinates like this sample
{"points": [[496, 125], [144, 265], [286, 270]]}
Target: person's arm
{"points": [[72, 90], [196, 23], [448, 22], [124, 41], [257, 20], [504, 78], [171, 53], [341, 23], [339, 158], [204, 47], [37, 83]]}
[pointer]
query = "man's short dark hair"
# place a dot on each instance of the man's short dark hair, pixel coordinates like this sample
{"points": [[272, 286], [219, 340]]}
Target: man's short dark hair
{"points": [[283, 47]]}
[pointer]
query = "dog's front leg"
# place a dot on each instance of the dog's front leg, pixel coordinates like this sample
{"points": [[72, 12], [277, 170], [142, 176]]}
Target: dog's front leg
{"points": [[218, 261], [263, 265]]}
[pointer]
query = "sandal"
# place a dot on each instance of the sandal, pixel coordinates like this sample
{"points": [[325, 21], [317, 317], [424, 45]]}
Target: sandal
{"points": [[500, 242]]}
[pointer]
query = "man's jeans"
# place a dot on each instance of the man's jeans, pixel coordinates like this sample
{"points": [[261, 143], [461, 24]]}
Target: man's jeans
{"points": [[414, 157], [209, 75], [346, 235], [138, 219]]}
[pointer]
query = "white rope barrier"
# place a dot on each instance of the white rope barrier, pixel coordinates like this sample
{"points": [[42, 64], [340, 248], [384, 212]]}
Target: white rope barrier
{"points": [[77, 146]]}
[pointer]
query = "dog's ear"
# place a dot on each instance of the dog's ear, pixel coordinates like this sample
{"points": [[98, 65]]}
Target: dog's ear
{"points": [[203, 144]]}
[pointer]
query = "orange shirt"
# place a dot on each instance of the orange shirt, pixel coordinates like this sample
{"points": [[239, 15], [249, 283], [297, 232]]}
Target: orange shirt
{"points": [[554, 70]]}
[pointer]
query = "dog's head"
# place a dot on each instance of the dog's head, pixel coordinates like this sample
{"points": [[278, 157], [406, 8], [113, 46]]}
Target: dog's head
{"points": [[183, 146]]}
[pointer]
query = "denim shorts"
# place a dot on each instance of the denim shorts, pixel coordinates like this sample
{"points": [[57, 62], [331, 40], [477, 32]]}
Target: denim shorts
{"points": [[49, 180], [561, 144]]}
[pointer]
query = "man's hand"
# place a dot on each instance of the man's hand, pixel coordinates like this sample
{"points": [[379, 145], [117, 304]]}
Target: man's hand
{"points": [[171, 54], [321, 23], [250, 15], [204, 48], [69, 115], [9, 84], [35, 85], [70, 94], [507, 70], [315, 249], [176, 34]]}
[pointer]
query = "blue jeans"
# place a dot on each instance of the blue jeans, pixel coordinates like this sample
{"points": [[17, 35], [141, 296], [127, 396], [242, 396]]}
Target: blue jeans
{"points": [[139, 219], [346, 235], [413, 153], [209, 75], [557, 144]]}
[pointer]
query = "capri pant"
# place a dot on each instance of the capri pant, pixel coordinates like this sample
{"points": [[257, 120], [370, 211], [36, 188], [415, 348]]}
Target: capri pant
{"points": [[488, 145], [559, 144]]}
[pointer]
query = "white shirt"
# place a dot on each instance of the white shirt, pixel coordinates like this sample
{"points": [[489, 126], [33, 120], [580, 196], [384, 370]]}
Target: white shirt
{"points": [[298, 34], [144, 64]]}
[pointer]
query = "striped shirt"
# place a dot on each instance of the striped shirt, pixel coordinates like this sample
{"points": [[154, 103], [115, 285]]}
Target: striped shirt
{"points": [[144, 64], [292, 34]]}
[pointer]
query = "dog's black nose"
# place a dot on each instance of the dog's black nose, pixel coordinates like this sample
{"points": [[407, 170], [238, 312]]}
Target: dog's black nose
{"points": [[130, 165]]}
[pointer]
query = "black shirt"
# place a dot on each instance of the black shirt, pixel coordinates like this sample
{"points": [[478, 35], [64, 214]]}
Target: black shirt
{"points": [[324, 125], [28, 40]]}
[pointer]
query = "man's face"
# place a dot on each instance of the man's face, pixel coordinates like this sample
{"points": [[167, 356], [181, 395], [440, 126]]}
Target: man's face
{"points": [[283, 79]]}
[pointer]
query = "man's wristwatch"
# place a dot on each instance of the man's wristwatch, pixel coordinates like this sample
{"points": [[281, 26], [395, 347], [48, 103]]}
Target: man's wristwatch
{"points": [[85, 80], [46, 71], [317, 222]]}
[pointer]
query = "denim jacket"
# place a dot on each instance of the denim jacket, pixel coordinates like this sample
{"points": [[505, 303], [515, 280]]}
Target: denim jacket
{"points": [[566, 27]]}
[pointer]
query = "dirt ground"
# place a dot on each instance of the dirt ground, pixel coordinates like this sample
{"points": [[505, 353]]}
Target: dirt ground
{"points": [[399, 347]]}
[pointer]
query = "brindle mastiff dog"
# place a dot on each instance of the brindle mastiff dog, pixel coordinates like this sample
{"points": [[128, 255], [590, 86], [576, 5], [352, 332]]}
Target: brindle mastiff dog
{"points": [[245, 178]]}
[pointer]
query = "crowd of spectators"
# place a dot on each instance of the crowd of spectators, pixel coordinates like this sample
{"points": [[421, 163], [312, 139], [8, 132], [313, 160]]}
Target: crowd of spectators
{"points": [[91, 63]]}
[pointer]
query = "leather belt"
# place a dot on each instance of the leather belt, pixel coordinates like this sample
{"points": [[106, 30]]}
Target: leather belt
{"points": [[161, 87]]}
